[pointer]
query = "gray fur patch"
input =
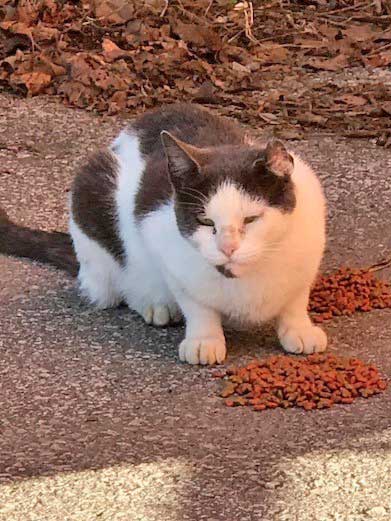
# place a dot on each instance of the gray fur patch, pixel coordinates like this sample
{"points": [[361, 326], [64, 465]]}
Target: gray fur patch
{"points": [[93, 202]]}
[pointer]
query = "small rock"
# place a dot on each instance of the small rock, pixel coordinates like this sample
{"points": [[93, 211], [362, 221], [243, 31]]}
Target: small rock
{"points": [[377, 512]]}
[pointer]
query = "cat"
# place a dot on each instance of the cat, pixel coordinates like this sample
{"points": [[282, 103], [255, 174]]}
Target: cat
{"points": [[185, 215]]}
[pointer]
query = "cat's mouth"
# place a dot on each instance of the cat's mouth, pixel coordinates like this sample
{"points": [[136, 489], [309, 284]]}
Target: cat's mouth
{"points": [[226, 272], [233, 270]]}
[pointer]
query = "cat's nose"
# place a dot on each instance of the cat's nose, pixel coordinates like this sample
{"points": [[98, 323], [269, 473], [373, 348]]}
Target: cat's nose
{"points": [[227, 241], [228, 248]]}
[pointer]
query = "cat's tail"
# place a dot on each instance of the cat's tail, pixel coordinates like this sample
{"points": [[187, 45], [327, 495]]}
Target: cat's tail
{"points": [[53, 248]]}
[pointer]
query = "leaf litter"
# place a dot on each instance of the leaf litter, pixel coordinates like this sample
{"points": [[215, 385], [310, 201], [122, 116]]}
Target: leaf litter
{"points": [[289, 67]]}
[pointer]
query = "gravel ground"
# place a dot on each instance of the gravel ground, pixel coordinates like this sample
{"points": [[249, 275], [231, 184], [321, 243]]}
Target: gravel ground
{"points": [[98, 419]]}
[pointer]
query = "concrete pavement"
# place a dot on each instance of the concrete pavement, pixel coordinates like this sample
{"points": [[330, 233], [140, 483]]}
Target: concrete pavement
{"points": [[99, 420]]}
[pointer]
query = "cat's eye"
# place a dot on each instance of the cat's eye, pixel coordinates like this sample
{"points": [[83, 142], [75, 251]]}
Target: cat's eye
{"points": [[251, 219], [204, 221]]}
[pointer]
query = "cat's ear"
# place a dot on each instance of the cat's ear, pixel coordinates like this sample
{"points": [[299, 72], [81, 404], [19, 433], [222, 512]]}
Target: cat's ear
{"points": [[278, 160], [181, 157]]}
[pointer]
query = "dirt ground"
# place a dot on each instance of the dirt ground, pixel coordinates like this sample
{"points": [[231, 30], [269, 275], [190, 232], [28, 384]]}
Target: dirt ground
{"points": [[99, 420]]}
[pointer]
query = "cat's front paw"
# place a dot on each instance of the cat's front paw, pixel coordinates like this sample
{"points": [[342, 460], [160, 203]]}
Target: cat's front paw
{"points": [[302, 339], [162, 315], [203, 350]]}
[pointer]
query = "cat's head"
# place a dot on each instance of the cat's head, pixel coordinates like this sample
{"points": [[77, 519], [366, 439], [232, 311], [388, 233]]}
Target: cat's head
{"points": [[231, 202]]}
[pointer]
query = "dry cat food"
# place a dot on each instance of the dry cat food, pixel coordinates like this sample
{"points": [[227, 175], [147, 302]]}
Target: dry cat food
{"points": [[316, 382], [347, 291]]}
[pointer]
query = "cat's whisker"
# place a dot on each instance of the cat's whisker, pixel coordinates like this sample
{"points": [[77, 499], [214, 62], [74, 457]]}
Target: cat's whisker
{"points": [[195, 196], [191, 206], [195, 191]]}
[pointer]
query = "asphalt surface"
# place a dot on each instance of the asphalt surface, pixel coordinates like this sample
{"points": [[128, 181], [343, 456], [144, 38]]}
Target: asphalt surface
{"points": [[99, 420]]}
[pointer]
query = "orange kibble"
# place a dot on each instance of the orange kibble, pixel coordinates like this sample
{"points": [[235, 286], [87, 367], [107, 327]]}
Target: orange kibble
{"points": [[316, 382], [347, 291], [259, 407]]}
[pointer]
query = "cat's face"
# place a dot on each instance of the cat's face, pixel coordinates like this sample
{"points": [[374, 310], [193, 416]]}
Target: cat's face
{"points": [[232, 203]]}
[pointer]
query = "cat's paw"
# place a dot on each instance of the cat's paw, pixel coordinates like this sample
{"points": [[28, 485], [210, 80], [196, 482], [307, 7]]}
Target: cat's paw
{"points": [[203, 350], [304, 339], [162, 315]]}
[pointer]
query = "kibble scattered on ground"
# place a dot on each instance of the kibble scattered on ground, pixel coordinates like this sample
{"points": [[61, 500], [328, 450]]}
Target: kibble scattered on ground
{"points": [[347, 291], [316, 382]]}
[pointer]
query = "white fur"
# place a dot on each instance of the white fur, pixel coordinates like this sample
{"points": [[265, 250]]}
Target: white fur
{"points": [[275, 259], [100, 275]]}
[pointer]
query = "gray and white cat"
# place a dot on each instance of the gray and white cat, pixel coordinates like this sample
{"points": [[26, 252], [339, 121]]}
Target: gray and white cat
{"points": [[185, 215]]}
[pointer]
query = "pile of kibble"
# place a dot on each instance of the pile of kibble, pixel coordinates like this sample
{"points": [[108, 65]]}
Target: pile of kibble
{"points": [[347, 291], [316, 382]]}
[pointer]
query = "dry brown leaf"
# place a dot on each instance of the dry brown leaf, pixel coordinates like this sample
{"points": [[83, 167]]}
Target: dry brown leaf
{"points": [[327, 30], [79, 94], [17, 28], [43, 33], [382, 59], [386, 106], [118, 102], [309, 117], [36, 82], [241, 69], [80, 69], [111, 51], [198, 35], [113, 11], [361, 32], [332, 64], [48, 66], [350, 99], [383, 35], [206, 93], [272, 53], [27, 11]]}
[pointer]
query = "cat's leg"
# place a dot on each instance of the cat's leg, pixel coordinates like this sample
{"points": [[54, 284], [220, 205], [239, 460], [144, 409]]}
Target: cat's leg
{"points": [[147, 293], [204, 342], [99, 273], [295, 330]]}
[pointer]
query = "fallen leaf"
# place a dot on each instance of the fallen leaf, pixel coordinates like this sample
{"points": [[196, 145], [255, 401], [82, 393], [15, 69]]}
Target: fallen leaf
{"points": [[241, 69], [111, 51], [206, 93], [329, 64], [378, 60], [113, 11], [17, 28], [18, 41], [350, 99], [42, 33], [309, 117], [50, 67], [36, 82], [118, 101], [361, 32], [386, 106], [198, 35], [269, 54], [291, 133], [272, 119]]}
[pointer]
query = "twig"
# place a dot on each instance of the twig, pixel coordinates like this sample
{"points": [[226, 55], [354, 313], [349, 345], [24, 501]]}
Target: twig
{"points": [[164, 10], [379, 49], [386, 263], [208, 8], [247, 9], [230, 40], [274, 37], [349, 8], [361, 133]]}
